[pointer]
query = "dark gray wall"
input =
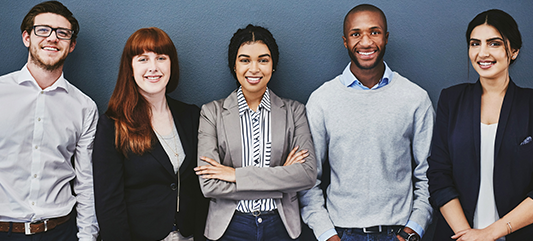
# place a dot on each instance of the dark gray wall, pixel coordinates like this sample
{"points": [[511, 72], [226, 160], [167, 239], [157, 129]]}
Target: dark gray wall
{"points": [[426, 43]]}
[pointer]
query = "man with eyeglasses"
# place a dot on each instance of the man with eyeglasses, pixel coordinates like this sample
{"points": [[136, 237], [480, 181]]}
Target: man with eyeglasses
{"points": [[46, 137]]}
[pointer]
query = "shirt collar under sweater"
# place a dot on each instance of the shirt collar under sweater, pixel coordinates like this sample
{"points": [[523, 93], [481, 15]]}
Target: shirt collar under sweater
{"points": [[349, 80]]}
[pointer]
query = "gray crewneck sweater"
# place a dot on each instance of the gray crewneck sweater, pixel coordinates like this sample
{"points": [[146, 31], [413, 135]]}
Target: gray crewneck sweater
{"points": [[377, 142]]}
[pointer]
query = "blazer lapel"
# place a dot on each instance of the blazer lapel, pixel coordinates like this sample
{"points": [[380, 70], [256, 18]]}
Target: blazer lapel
{"points": [[504, 116], [232, 129], [161, 156], [184, 135], [278, 125], [476, 121]]}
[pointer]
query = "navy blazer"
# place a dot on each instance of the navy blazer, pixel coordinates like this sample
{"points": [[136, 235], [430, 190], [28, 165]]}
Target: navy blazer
{"points": [[136, 197], [454, 164]]}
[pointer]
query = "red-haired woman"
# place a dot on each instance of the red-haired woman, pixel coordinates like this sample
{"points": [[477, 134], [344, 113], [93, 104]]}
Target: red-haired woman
{"points": [[145, 150]]}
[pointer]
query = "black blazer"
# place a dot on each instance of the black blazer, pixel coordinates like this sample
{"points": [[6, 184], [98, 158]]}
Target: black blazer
{"points": [[136, 197], [454, 165]]}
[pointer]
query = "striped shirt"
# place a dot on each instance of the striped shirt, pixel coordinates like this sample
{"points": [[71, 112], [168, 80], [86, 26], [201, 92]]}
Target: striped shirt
{"points": [[256, 145]]}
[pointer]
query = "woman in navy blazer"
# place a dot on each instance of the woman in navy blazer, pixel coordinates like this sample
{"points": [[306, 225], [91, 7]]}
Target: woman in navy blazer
{"points": [[482, 183], [145, 150]]}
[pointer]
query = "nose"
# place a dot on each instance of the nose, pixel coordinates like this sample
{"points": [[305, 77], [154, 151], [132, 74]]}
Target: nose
{"points": [[484, 50], [152, 65], [365, 40], [53, 36], [254, 67]]}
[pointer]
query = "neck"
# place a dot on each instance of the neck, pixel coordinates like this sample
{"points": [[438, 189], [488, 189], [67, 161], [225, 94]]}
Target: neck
{"points": [[158, 103], [44, 78], [253, 99], [496, 85], [368, 77]]}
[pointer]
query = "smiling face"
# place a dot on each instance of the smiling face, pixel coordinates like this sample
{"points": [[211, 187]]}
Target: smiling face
{"points": [[48, 53], [365, 38], [253, 67], [151, 72], [487, 52]]}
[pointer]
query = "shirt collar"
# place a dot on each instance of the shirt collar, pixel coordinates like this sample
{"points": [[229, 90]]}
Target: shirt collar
{"points": [[348, 79], [243, 106], [25, 76]]}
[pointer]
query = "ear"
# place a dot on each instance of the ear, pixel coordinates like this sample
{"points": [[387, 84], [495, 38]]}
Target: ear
{"points": [[26, 38], [344, 41], [72, 46], [387, 38], [514, 54]]}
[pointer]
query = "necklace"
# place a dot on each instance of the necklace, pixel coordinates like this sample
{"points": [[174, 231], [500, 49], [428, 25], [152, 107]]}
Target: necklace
{"points": [[175, 151]]}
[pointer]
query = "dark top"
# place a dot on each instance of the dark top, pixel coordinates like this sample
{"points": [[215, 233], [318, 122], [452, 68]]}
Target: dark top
{"points": [[136, 197], [454, 164]]}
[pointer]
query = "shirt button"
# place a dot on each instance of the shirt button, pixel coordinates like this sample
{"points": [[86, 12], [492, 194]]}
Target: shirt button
{"points": [[34, 175], [173, 186], [42, 92], [36, 147], [33, 203], [38, 119], [259, 220]]}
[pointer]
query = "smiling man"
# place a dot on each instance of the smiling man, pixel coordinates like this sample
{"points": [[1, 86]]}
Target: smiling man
{"points": [[46, 137], [374, 127]]}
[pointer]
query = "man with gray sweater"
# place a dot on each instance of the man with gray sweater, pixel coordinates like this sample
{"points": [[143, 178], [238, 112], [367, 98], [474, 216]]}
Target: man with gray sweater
{"points": [[374, 126]]}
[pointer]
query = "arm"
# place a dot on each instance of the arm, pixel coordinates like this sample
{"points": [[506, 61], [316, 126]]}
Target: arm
{"points": [[421, 141], [312, 201], [289, 178], [83, 184], [208, 146], [109, 184]]}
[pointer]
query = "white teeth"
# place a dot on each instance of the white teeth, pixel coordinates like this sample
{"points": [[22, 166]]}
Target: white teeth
{"points": [[366, 53], [153, 78], [48, 48], [485, 63], [253, 79]]}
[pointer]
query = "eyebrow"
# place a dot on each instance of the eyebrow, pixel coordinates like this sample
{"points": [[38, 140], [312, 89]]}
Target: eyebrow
{"points": [[247, 56], [488, 40], [371, 28]]}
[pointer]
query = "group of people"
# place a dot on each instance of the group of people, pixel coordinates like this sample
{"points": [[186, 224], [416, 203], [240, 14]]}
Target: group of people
{"points": [[249, 166]]}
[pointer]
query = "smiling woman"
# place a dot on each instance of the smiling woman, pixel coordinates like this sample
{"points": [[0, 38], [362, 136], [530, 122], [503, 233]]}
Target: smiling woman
{"points": [[255, 149], [480, 170], [145, 150]]}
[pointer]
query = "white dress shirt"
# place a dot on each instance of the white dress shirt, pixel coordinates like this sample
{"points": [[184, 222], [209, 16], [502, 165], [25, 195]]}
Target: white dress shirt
{"points": [[40, 131]]}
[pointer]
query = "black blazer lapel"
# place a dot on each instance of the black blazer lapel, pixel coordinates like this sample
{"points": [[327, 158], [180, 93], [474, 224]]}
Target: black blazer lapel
{"points": [[185, 134], [508, 101], [476, 122], [161, 156]]}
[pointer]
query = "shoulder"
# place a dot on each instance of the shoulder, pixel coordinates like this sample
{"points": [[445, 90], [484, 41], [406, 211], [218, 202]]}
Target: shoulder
{"points": [[182, 107], [407, 85], [105, 124], [292, 105], [328, 88], [81, 98], [9, 77], [219, 105], [453, 93]]}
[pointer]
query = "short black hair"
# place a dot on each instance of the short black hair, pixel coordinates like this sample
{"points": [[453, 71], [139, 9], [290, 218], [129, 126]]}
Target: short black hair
{"points": [[251, 34], [361, 8], [501, 21], [50, 7]]}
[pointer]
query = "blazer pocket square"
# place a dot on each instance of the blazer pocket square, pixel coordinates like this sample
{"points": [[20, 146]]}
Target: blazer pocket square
{"points": [[526, 141]]}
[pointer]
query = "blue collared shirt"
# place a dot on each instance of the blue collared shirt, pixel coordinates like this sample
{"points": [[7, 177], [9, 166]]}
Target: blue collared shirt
{"points": [[349, 80]]}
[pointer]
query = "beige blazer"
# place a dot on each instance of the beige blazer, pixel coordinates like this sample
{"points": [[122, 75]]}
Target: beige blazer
{"points": [[219, 138]]}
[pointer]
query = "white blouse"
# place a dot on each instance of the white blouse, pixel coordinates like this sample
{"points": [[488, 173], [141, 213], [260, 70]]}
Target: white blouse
{"points": [[486, 212]]}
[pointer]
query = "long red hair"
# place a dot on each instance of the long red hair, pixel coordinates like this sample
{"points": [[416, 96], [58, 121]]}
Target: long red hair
{"points": [[127, 106]]}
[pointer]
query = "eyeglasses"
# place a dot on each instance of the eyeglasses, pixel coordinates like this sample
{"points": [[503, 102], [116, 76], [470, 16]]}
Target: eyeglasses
{"points": [[45, 31]]}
